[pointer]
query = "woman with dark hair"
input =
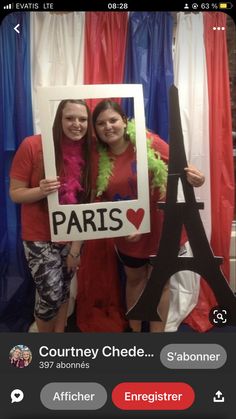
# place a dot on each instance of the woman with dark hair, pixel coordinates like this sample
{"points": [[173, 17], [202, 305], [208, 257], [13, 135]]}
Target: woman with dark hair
{"points": [[117, 180], [52, 265], [66, 133]]}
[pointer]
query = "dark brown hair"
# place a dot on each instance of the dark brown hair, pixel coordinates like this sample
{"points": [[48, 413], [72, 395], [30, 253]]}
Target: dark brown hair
{"points": [[57, 139], [103, 106]]}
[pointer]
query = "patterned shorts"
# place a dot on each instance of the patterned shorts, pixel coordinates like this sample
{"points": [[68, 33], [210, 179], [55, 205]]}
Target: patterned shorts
{"points": [[47, 263]]}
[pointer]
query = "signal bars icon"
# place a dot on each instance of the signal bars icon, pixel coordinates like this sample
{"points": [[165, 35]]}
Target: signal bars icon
{"points": [[8, 6]]}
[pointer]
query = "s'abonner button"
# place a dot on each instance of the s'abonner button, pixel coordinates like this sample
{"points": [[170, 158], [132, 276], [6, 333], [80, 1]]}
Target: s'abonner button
{"points": [[193, 356], [153, 396]]}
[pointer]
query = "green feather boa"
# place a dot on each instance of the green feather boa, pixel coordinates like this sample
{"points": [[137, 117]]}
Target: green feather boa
{"points": [[156, 166]]}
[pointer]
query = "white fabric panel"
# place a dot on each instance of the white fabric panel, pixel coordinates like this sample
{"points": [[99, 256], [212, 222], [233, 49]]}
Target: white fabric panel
{"points": [[57, 52], [184, 290], [191, 79], [57, 58]]}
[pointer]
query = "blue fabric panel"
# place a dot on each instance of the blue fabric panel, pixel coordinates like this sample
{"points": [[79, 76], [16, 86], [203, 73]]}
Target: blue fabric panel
{"points": [[149, 62], [16, 285]]}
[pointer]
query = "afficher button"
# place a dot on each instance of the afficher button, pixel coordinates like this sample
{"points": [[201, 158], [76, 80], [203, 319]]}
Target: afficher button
{"points": [[73, 396], [153, 396]]}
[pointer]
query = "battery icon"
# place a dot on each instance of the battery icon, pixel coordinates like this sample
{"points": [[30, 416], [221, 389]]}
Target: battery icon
{"points": [[225, 6]]}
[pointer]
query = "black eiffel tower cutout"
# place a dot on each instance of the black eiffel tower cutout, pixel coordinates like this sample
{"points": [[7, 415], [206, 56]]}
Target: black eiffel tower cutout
{"points": [[177, 215]]}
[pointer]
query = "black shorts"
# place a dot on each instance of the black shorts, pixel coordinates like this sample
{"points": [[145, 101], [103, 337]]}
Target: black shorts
{"points": [[132, 262]]}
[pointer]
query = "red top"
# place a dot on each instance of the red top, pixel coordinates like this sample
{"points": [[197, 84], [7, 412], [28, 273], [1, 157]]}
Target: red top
{"points": [[27, 166], [123, 186]]}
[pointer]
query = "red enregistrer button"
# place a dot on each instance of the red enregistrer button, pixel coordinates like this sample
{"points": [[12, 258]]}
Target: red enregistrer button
{"points": [[153, 396]]}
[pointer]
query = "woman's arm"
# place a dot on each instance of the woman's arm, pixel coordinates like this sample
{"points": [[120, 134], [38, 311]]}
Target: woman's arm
{"points": [[73, 258], [194, 176], [21, 193]]}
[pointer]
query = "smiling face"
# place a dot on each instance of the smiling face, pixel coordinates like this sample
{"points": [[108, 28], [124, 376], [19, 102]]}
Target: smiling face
{"points": [[25, 355], [110, 127], [16, 353], [74, 121]]}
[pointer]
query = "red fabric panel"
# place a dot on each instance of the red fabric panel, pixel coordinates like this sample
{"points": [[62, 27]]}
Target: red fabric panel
{"points": [[222, 175], [99, 304], [105, 46]]}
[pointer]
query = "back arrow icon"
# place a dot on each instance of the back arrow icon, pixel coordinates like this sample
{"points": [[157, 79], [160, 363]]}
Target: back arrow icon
{"points": [[16, 28]]}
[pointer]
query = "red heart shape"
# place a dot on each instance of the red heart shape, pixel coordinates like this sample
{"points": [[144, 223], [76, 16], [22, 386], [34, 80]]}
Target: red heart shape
{"points": [[135, 217]]}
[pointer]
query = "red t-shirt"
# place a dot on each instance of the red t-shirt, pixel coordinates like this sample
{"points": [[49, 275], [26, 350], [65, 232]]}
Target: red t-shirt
{"points": [[27, 166], [123, 186]]}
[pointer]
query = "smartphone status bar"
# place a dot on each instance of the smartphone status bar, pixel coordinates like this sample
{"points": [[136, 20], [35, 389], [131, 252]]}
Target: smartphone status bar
{"points": [[104, 5]]}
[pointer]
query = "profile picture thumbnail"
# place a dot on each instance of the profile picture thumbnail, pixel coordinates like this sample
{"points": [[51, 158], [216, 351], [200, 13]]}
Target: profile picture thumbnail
{"points": [[20, 356]]}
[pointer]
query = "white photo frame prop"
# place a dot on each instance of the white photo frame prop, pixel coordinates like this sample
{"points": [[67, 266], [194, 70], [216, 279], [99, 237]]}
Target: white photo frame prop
{"points": [[100, 219]]}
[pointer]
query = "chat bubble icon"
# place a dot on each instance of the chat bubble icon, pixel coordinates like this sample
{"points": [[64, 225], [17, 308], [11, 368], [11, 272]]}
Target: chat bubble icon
{"points": [[17, 395]]}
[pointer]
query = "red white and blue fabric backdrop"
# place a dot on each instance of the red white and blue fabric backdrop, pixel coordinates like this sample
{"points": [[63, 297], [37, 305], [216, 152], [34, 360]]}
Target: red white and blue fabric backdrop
{"points": [[119, 47]]}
